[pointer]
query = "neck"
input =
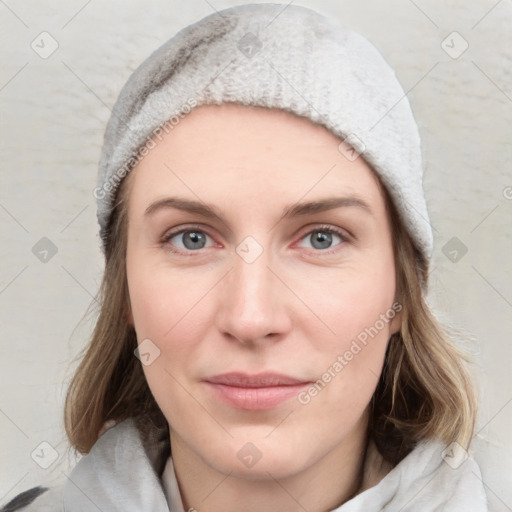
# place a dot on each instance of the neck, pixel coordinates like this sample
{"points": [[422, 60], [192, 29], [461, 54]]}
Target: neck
{"points": [[323, 485]]}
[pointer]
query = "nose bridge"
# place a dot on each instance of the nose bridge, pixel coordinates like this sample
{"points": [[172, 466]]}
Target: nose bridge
{"points": [[250, 305]]}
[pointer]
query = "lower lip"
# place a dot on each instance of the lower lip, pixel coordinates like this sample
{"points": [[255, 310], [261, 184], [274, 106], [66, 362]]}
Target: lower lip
{"points": [[255, 399]]}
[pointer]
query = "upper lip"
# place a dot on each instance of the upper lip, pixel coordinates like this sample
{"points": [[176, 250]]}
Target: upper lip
{"points": [[260, 380]]}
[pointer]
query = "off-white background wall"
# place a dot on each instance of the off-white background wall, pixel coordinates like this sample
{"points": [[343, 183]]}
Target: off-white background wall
{"points": [[53, 112]]}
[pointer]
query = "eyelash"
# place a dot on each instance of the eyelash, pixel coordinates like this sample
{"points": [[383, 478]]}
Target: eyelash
{"points": [[323, 229]]}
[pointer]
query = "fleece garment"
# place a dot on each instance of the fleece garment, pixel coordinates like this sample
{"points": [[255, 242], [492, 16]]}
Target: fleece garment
{"points": [[125, 473]]}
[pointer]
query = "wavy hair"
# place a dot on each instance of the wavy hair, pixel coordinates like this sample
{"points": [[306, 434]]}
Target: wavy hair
{"points": [[424, 391]]}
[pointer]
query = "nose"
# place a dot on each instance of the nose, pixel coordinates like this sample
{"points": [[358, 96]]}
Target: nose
{"points": [[253, 303]]}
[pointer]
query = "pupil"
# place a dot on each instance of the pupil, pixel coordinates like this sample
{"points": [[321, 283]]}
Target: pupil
{"points": [[321, 240], [193, 240]]}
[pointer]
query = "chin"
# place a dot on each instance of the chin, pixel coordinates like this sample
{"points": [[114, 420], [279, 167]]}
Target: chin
{"points": [[253, 458]]}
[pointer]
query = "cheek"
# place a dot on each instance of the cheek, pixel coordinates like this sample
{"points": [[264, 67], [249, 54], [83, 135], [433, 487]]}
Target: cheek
{"points": [[173, 311], [359, 311], [348, 306], [162, 301], [167, 311]]}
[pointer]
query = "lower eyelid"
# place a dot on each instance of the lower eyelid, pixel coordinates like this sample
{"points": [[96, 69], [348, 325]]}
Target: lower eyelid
{"points": [[169, 236]]}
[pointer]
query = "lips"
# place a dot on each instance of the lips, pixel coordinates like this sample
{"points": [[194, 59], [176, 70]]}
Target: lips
{"points": [[254, 392]]}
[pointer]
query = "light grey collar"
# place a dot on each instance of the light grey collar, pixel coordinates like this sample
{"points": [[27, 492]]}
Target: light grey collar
{"points": [[121, 474], [117, 475]]}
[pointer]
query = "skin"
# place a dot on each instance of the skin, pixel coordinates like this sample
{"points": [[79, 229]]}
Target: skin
{"points": [[293, 310]]}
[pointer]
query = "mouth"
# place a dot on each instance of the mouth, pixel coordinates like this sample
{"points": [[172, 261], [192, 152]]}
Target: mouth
{"points": [[255, 392]]}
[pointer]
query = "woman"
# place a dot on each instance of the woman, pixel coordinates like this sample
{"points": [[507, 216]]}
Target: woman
{"points": [[263, 341]]}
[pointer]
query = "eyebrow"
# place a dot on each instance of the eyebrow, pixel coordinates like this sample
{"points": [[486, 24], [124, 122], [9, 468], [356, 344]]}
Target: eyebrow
{"points": [[294, 210]]}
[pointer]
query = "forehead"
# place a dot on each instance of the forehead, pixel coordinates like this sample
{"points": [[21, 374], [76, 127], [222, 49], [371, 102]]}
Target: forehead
{"points": [[240, 155]]}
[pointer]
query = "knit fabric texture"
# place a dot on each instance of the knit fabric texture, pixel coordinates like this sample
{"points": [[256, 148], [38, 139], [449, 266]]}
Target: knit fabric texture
{"points": [[273, 56]]}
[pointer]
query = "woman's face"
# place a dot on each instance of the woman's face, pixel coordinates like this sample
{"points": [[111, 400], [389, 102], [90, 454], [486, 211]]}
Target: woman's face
{"points": [[262, 283]]}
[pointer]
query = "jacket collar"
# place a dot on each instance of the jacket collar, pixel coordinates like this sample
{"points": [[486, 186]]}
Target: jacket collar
{"points": [[119, 474], [123, 472]]}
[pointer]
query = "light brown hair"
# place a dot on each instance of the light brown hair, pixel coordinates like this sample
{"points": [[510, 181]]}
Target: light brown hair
{"points": [[424, 391]]}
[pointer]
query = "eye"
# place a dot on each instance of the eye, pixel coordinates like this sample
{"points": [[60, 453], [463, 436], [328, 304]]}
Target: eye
{"points": [[323, 238], [194, 239], [187, 240]]}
